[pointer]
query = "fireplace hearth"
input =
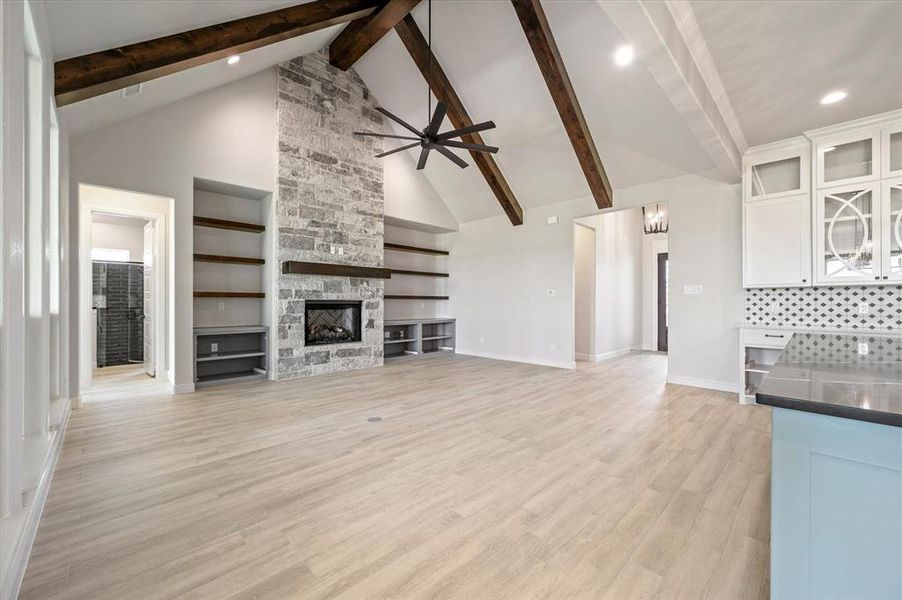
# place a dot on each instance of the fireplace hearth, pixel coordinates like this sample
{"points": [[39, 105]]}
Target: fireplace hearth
{"points": [[331, 322]]}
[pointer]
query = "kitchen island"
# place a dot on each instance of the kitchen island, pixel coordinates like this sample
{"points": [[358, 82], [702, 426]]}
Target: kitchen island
{"points": [[836, 466]]}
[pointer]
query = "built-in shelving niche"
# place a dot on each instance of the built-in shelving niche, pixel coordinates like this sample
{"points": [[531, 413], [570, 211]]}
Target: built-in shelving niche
{"points": [[232, 271]]}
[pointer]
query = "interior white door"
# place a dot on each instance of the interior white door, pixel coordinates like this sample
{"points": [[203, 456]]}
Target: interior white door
{"points": [[149, 362]]}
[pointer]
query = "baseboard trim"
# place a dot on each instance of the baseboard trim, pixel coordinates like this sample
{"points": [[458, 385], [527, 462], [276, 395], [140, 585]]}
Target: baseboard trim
{"points": [[606, 355], [12, 581], [181, 388], [520, 359], [708, 384]]}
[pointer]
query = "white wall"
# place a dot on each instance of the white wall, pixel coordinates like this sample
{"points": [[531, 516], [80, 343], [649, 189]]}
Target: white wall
{"points": [[500, 281], [584, 290], [409, 197], [652, 245], [705, 248], [119, 237], [501, 274], [34, 394], [227, 134]]}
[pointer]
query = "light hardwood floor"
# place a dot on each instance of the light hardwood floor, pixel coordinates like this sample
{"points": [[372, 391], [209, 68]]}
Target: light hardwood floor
{"points": [[483, 479]]}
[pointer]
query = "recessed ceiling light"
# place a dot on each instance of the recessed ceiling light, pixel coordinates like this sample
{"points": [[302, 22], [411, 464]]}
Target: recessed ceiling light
{"points": [[233, 59], [624, 55], [833, 97]]}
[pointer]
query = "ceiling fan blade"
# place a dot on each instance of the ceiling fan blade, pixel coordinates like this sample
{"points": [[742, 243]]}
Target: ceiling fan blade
{"points": [[451, 156], [424, 154], [465, 130], [407, 147], [441, 109], [398, 120], [465, 146], [386, 135]]}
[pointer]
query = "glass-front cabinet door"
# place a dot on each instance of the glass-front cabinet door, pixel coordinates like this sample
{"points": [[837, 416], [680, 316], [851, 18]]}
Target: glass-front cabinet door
{"points": [[850, 158], [892, 151], [891, 229], [776, 173], [848, 242]]}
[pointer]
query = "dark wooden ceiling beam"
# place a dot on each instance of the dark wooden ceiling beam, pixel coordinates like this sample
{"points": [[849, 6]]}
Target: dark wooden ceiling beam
{"points": [[541, 40], [94, 74], [362, 34], [441, 86]]}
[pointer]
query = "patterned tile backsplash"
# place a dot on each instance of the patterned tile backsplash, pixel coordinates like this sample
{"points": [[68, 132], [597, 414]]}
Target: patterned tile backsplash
{"points": [[835, 307]]}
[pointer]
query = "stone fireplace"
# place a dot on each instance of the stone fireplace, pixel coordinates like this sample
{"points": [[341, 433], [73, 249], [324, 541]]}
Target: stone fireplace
{"points": [[330, 322], [329, 210]]}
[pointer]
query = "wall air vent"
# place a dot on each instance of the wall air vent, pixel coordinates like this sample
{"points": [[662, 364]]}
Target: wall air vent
{"points": [[132, 90]]}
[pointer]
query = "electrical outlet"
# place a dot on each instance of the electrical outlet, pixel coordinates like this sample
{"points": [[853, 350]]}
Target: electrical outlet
{"points": [[341, 250], [774, 307], [552, 220], [331, 249], [422, 305], [692, 290], [864, 308], [863, 348], [551, 292], [481, 340], [553, 346], [221, 306], [214, 347]]}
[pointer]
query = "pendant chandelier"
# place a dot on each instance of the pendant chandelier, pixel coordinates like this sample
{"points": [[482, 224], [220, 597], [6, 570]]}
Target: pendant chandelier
{"points": [[655, 221]]}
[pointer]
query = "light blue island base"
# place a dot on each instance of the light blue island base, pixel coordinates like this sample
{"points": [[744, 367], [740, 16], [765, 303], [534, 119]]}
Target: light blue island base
{"points": [[836, 507]]}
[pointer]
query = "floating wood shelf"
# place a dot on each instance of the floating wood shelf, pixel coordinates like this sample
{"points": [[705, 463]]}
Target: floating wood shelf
{"points": [[223, 224], [229, 295], [416, 249], [236, 260], [294, 267], [419, 273], [412, 297]]}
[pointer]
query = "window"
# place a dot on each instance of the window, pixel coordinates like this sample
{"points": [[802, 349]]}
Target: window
{"points": [[110, 255]]}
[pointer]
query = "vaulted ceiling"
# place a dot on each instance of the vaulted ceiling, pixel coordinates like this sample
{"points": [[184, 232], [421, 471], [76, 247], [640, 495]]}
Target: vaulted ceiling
{"points": [[774, 61]]}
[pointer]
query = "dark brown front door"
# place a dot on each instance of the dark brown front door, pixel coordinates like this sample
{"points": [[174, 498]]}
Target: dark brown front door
{"points": [[662, 301]]}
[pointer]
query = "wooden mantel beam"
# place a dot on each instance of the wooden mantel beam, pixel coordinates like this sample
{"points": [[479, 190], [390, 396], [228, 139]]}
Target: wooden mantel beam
{"points": [[541, 40], [94, 74], [362, 34], [441, 86]]}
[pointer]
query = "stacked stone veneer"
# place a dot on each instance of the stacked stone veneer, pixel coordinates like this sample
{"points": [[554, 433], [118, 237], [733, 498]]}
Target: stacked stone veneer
{"points": [[330, 195]]}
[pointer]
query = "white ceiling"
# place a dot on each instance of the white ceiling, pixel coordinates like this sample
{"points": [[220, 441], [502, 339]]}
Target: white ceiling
{"points": [[484, 52], [83, 26], [778, 58]]}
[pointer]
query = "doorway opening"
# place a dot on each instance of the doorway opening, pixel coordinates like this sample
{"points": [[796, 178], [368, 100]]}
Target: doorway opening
{"points": [[124, 273], [663, 304], [620, 284]]}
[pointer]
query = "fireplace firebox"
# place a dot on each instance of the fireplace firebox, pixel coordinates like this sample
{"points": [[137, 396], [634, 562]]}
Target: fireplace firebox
{"points": [[331, 322]]}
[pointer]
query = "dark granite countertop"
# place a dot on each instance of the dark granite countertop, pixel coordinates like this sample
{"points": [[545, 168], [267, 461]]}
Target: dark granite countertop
{"points": [[824, 373]]}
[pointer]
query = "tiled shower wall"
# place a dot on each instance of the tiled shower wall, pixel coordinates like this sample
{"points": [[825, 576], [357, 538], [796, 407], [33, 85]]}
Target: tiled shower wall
{"points": [[834, 307], [118, 290]]}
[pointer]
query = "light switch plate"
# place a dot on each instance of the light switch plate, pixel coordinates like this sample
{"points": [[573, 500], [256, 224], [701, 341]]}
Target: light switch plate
{"points": [[552, 220], [863, 348], [692, 290], [864, 308]]}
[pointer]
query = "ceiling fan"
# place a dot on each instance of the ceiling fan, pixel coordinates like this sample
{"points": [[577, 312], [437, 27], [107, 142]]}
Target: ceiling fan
{"points": [[430, 138]]}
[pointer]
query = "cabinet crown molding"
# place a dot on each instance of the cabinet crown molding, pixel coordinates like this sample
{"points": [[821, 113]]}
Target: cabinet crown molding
{"points": [[875, 121]]}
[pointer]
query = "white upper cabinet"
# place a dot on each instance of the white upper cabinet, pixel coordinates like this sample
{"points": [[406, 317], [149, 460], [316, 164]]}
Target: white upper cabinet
{"points": [[777, 242], [891, 218], [892, 151], [846, 225], [777, 215], [852, 157]]}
